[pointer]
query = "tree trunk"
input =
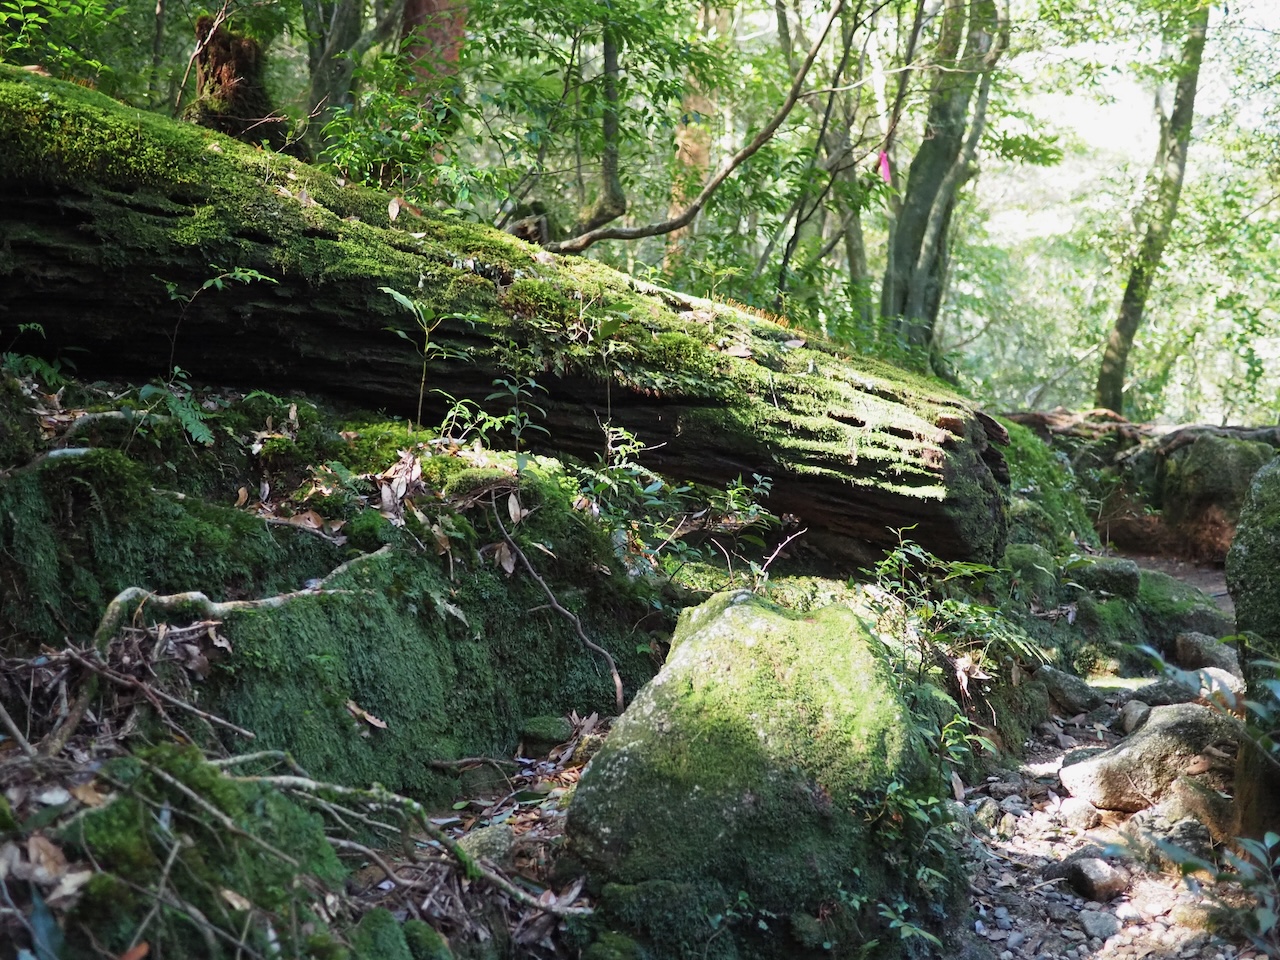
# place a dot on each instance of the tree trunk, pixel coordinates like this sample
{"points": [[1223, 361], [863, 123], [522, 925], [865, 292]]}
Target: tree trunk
{"points": [[92, 228], [1154, 218], [434, 31], [914, 276]]}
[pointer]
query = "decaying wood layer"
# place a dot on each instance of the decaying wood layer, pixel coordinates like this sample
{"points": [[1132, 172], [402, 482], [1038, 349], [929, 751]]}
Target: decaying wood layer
{"points": [[88, 240]]}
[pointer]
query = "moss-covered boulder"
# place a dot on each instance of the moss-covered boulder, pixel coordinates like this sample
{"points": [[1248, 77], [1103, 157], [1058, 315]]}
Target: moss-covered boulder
{"points": [[1104, 577], [1253, 577], [1203, 486], [1169, 607], [1253, 564], [757, 784], [1046, 505]]}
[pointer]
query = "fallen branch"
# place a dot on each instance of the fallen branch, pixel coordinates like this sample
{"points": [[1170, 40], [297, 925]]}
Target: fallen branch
{"points": [[227, 823], [23, 743], [563, 611], [688, 214]]}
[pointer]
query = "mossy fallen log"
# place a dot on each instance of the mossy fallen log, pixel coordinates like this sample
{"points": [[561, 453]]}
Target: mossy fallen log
{"points": [[107, 213]]}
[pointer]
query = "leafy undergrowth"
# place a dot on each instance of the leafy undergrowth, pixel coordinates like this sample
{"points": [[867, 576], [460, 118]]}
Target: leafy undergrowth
{"points": [[252, 646], [119, 835]]}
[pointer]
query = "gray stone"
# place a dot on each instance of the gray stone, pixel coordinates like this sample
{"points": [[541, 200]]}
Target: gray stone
{"points": [[986, 813], [491, 843], [1134, 714], [1135, 773], [1095, 879], [1098, 924], [1195, 650], [1127, 912], [1072, 693], [1161, 693], [1079, 814]]}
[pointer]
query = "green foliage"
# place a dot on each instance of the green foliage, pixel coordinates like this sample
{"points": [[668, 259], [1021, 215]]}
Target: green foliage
{"points": [[55, 34], [168, 813], [427, 320], [938, 606]]}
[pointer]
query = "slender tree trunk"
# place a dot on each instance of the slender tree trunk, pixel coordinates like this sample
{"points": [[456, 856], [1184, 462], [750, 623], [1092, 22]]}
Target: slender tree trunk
{"points": [[918, 244], [154, 98], [1155, 216], [693, 140], [612, 202]]}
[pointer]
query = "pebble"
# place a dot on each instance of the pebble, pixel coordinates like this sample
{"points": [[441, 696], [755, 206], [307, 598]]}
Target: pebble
{"points": [[1016, 939], [1128, 913]]}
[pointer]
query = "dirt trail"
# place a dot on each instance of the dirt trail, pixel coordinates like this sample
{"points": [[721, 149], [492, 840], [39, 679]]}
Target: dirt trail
{"points": [[1025, 823]]}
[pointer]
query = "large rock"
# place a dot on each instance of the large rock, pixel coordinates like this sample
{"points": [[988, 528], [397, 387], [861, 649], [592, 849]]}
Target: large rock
{"points": [[1203, 488], [1253, 564], [1195, 650], [1107, 576], [1169, 607], [1253, 577], [1136, 772], [752, 770], [1072, 694]]}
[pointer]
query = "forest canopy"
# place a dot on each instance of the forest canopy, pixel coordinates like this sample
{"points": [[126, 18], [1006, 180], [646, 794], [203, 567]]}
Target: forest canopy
{"points": [[1048, 202]]}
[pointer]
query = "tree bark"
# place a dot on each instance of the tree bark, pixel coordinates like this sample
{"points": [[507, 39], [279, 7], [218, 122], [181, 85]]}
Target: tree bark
{"points": [[914, 276], [91, 228], [1155, 216]]}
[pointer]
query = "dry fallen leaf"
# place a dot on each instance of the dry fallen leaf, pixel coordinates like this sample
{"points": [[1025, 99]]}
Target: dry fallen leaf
{"points": [[243, 497], [360, 713], [236, 901], [47, 862], [504, 558], [140, 952], [69, 886], [88, 794], [393, 208]]}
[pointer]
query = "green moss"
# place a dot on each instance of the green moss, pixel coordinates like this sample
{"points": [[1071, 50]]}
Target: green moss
{"points": [[1047, 507], [1210, 471], [1017, 711], [1169, 607], [17, 425], [1103, 576], [1035, 572], [78, 530], [611, 945], [379, 937], [424, 942], [768, 772], [1253, 563], [135, 832]]}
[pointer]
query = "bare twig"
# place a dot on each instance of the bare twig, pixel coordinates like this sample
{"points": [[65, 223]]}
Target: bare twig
{"points": [[14, 732], [380, 796], [154, 693], [164, 881], [563, 611], [214, 812]]}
